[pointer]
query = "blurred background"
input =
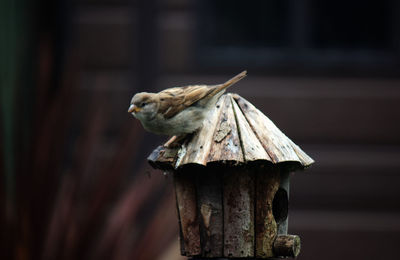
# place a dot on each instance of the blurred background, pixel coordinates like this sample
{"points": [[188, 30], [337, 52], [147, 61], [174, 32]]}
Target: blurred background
{"points": [[75, 183]]}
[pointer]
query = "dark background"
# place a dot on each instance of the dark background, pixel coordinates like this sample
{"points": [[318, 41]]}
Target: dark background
{"points": [[75, 182]]}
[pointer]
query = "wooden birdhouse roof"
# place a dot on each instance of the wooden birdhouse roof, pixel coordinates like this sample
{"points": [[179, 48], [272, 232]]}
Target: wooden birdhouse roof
{"points": [[235, 132]]}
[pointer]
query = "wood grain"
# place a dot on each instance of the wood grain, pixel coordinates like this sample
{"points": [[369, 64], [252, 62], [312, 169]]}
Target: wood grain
{"points": [[197, 150], [251, 146], [187, 208], [226, 145], [209, 202], [181, 238], [238, 213], [276, 144], [163, 158], [267, 183], [287, 246]]}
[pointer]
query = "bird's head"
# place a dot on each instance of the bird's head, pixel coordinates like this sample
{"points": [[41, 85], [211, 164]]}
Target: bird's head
{"points": [[143, 106]]}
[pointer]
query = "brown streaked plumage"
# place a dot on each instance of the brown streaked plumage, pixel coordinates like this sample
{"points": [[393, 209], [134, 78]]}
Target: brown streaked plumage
{"points": [[178, 110]]}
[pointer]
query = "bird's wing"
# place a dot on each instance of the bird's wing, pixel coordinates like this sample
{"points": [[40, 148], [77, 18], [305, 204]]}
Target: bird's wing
{"points": [[174, 100]]}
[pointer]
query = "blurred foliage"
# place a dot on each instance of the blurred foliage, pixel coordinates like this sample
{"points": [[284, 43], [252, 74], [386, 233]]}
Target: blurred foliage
{"points": [[64, 194]]}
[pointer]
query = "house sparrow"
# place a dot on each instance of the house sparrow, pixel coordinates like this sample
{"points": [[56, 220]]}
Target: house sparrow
{"points": [[180, 110]]}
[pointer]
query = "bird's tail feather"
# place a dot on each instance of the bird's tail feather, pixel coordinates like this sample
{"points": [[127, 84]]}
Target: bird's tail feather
{"points": [[235, 79], [216, 91], [221, 87]]}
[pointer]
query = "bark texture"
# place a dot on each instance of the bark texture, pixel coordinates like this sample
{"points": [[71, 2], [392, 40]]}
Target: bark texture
{"points": [[287, 246]]}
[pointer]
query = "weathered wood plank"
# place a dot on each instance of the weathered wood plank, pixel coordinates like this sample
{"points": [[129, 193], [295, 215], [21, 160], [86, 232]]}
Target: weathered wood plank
{"points": [[163, 158], [238, 213], [181, 239], [276, 143], [225, 142], [252, 148], [209, 199], [304, 158], [187, 208], [198, 149], [267, 183]]}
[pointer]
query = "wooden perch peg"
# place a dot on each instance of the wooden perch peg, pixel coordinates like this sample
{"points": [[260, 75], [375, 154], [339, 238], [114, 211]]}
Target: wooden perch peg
{"points": [[287, 246]]}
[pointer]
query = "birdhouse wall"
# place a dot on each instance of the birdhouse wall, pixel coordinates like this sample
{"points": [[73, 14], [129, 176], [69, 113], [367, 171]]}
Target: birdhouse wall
{"points": [[228, 211]]}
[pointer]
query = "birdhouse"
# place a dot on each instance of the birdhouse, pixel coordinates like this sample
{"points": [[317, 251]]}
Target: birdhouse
{"points": [[231, 182]]}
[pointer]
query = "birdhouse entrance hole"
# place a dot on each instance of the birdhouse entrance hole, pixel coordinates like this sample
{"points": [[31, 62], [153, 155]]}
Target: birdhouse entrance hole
{"points": [[280, 205]]}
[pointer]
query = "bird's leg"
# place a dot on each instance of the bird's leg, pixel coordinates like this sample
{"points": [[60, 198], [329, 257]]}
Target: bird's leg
{"points": [[175, 141], [170, 141]]}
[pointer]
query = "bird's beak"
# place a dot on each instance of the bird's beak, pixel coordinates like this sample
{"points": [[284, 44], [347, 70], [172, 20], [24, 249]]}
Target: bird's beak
{"points": [[133, 108]]}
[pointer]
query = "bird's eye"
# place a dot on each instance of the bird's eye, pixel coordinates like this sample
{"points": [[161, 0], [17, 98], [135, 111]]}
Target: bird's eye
{"points": [[143, 104]]}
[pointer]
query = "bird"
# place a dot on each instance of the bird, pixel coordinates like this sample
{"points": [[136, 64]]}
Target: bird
{"points": [[178, 111]]}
